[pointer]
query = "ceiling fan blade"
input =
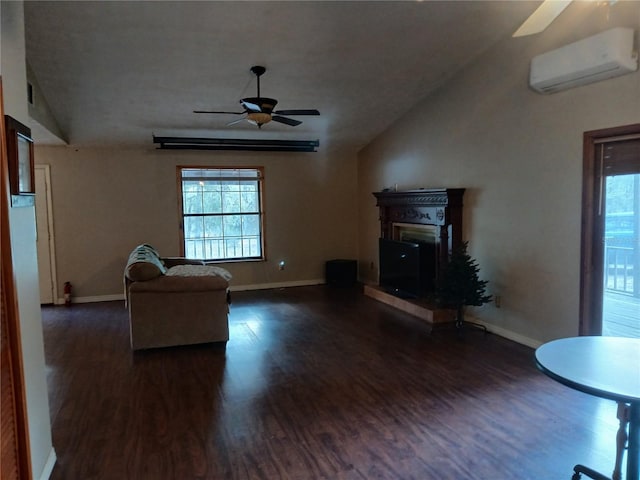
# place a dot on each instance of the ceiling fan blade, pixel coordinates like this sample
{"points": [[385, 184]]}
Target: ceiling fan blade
{"points": [[285, 120], [236, 121], [297, 112], [213, 111], [542, 17], [250, 106]]}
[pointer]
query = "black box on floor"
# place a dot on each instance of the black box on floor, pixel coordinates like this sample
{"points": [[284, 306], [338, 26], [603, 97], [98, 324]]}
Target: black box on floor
{"points": [[341, 272]]}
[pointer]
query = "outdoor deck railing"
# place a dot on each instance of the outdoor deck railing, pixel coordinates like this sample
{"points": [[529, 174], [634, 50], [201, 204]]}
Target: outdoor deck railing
{"points": [[621, 273]]}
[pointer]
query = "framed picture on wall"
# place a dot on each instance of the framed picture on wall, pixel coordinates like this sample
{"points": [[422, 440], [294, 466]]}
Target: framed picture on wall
{"points": [[20, 159]]}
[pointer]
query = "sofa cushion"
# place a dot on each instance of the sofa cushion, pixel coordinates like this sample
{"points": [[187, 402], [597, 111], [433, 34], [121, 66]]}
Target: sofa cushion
{"points": [[144, 264]]}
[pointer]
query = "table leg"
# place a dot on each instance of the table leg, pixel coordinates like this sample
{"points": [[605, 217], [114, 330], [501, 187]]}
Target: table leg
{"points": [[621, 439], [633, 452], [624, 416]]}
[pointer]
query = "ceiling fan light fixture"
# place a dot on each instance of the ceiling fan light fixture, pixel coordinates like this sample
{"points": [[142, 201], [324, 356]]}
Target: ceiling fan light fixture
{"points": [[259, 118]]}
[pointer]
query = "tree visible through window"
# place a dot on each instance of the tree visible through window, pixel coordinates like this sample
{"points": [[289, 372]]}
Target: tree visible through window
{"points": [[221, 213]]}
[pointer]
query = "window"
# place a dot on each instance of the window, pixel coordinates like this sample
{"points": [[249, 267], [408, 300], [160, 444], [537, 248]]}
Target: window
{"points": [[222, 213]]}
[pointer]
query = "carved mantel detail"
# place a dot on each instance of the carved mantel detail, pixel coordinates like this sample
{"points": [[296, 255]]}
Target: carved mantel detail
{"points": [[414, 197]]}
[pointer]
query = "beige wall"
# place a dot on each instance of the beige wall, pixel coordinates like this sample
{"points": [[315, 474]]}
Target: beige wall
{"points": [[519, 155], [107, 200], [23, 250]]}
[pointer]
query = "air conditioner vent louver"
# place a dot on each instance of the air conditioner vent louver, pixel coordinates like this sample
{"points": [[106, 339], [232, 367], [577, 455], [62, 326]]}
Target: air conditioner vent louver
{"points": [[605, 55]]}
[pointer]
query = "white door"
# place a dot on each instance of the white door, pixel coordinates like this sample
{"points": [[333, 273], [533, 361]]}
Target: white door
{"points": [[45, 242]]}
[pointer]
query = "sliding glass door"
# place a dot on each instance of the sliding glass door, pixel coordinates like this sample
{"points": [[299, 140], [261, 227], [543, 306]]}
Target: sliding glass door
{"points": [[621, 269]]}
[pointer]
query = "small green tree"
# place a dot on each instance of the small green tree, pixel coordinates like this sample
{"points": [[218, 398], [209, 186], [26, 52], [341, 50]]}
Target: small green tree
{"points": [[460, 285]]}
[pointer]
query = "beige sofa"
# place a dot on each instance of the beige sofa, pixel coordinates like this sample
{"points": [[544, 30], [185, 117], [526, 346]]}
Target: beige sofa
{"points": [[175, 301]]}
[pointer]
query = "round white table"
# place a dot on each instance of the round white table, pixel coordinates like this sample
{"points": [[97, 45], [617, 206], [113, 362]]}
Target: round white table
{"points": [[606, 367]]}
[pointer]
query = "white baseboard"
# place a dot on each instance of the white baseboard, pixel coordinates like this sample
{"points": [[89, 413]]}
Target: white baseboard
{"points": [[48, 466], [266, 286], [516, 337], [508, 334], [93, 299]]}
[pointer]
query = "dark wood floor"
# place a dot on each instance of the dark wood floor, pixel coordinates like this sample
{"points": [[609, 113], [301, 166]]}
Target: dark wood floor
{"points": [[620, 315], [315, 383]]}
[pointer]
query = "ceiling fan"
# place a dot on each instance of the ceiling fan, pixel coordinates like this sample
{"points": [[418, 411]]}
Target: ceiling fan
{"points": [[542, 17], [260, 110]]}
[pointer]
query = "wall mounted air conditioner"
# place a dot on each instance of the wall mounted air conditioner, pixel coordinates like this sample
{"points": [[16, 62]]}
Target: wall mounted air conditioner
{"points": [[605, 55]]}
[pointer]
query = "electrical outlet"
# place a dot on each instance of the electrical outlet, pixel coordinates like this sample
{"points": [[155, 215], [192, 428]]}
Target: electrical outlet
{"points": [[281, 265], [497, 299], [372, 266]]}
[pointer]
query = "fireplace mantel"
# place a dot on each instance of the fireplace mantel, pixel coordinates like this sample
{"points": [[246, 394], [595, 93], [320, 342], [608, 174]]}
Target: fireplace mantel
{"points": [[440, 207]]}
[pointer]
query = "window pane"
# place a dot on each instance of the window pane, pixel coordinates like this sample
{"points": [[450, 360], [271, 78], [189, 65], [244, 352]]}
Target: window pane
{"points": [[191, 197], [213, 227], [249, 201], [231, 186], [231, 202], [217, 249], [250, 225], [193, 227], [232, 225], [233, 248], [191, 248], [212, 202]]}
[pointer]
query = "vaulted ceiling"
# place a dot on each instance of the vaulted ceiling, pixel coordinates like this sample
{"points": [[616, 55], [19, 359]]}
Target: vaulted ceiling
{"points": [[115, 73]]}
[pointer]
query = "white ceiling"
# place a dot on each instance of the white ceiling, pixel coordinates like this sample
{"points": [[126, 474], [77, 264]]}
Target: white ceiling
{"points": [[118, 72]]}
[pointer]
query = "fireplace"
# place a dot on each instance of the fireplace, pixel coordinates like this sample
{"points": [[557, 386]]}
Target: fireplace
{"points": [[418, 230]]}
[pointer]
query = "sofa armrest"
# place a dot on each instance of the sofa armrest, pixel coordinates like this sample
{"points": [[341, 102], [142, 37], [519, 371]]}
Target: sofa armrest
{"points": [[173, 261]]}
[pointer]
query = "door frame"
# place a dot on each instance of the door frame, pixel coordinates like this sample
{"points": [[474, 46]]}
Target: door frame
{"points": [[16, 438], [51, 236], [592, 245]]}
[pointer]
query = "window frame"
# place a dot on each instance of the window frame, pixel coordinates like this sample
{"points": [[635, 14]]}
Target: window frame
{"points": [[261, 211]]}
